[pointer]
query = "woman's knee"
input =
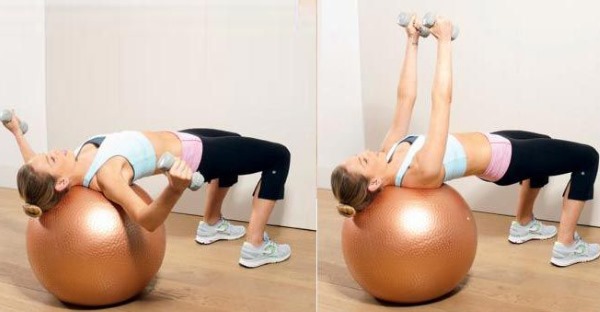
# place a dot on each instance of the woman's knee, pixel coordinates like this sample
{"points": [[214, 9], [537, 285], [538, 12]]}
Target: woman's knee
{"points": [[595, 157], [595, 154], [282, 153], [592, 156]]}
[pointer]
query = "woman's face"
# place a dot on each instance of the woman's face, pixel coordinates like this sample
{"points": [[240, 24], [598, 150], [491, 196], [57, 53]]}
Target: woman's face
{"points": [[368, 164], [58, 163]]}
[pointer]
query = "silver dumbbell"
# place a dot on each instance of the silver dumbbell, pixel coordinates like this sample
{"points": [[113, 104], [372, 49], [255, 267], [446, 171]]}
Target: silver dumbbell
{"points": [[166, 161], [404, 19], [429, 21], [7, 115]]}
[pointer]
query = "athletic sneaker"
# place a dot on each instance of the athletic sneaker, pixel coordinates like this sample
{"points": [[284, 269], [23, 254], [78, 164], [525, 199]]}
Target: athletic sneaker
{"points": [[533, 230], [207, 234], [268, 252], [579, 251]]}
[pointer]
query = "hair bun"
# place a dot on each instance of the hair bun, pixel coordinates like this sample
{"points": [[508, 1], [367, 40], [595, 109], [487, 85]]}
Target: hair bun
{"points": [[346, 211], [32, 210]]}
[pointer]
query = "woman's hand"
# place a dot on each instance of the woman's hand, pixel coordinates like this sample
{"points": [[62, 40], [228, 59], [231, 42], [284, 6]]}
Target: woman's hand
{"points": [[442, 29], [180, 175], [14, 125], [412, 29]]}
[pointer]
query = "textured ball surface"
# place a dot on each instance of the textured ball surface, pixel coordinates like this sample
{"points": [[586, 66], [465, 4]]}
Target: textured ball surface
{"points": [[87, 251], [410, 245]]}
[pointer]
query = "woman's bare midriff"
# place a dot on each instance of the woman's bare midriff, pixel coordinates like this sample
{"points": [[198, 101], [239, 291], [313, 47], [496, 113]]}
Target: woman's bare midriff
{"points": [[478, 151], [164, 141]]}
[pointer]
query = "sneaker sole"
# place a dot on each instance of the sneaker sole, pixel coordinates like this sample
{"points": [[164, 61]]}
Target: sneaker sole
{"points": [[203, 240], [256, 263], [523, 239], [565, 263]]}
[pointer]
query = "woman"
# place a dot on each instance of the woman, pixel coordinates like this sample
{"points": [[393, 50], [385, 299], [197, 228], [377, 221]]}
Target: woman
{"points": [[219, 156], [504, 157]]}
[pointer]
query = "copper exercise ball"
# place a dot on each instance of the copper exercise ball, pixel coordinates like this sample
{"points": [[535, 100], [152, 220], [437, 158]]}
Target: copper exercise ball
{"points": [[410, 245], [87, 251]]}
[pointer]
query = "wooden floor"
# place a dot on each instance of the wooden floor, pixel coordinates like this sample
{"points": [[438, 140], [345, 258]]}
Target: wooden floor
{"points": [[192, 277], [504, 277]]}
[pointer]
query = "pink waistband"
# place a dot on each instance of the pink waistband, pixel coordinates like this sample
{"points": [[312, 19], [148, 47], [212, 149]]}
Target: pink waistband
{"points": [[191, 149], [500, 160]]}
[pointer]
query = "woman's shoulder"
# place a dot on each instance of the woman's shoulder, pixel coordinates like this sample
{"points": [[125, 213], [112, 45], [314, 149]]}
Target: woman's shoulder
{"points": [[111, 174]]}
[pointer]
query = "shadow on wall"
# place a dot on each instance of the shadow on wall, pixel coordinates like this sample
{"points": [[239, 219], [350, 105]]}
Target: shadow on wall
{"points": [[488, 197], [237, 205]]}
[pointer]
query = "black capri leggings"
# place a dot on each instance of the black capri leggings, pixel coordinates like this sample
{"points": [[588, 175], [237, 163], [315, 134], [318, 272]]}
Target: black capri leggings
{"points": [[537, 156], [225, 155]]}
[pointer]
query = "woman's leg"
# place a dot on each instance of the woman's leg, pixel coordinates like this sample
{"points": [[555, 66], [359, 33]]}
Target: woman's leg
{"points": [[571, 210], [259, 249], [569, 249], [528, 193], [232, 156], [215, 227], [216, 189], [214, 201], [538, 157], [261, 210], [527, 197]]}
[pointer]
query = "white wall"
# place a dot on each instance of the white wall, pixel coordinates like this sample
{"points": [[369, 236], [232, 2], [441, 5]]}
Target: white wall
{"points": [[532, 65], [21, 78], [243, 66], [339, 90]]}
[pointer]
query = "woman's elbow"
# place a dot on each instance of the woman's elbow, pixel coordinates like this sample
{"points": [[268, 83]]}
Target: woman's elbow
{"points": [[144, 221], [150, 227]]}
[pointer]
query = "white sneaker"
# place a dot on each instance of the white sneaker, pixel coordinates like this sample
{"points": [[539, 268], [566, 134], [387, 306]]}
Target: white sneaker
{"points": [[207, 234], [579, 251], [268, 252], [533, 230]]}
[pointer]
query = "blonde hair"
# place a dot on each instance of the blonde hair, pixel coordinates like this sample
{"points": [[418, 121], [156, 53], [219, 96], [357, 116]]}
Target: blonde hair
{"points": [[346, 211], [351, 190], [37, 190]]}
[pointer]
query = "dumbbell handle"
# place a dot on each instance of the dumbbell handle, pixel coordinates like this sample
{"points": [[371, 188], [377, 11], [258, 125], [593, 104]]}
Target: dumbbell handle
{"points": [[403, 20], [166, 161], [429, 21], [7, 115]]}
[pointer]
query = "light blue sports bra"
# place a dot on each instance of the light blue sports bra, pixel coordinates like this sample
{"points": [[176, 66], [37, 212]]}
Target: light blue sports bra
{"points": [[132, 145], [455, 158]]}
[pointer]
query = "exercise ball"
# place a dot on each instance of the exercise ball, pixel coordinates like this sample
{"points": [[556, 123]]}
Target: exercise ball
{"points": [[87, 251], [410, 245]]}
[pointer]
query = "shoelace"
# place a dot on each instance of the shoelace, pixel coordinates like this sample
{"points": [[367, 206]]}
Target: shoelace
{"points": [[224, 225], [266, 237], [270, 248], [535, 226], [580, 249]]}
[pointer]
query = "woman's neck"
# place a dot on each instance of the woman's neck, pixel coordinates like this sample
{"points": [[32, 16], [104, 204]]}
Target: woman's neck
{"points": [[394, 165], [83, 161]]}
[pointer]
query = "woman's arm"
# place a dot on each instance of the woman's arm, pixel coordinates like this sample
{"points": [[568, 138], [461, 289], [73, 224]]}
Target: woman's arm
{"points": [[407, 89], [430, 157], [14, 127], [150, 216]]}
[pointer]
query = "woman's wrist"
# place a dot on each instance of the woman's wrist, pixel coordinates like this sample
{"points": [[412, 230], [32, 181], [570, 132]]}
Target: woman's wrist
{"points": [[413, 40], [445, 41], [172, 191]]}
